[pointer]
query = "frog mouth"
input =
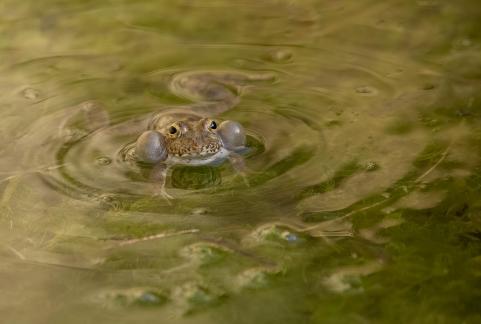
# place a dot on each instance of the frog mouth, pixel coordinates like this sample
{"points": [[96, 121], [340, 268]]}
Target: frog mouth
{"points": [[204, 151]]}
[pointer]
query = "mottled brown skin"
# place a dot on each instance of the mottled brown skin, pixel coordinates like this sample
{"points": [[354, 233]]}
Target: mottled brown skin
{"points": [[197, 140], [194, 138]]}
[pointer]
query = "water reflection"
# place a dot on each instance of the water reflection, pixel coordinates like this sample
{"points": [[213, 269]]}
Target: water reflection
{"points": [[195, 177]]}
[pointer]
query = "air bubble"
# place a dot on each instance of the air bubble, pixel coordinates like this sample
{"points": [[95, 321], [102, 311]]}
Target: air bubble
{"points": [[133, 297], [103, 161], [30, 93], [256, 278], [281, 56], [109, 201], [366, 91], [200, 211], [276, 233], [192, 297], [371, 166]]}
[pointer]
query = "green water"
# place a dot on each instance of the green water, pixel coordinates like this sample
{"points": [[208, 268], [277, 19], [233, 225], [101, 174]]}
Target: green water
{"points": [[362, 204]]}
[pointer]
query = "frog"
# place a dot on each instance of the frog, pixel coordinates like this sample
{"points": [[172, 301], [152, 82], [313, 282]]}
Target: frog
{"points": [[193, 134]]}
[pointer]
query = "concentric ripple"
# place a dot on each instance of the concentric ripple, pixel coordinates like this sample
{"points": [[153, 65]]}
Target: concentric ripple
{"points": [[97, 154]]}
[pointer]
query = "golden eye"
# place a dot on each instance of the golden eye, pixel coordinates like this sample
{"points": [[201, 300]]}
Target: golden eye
{"points": [[172, 130]]}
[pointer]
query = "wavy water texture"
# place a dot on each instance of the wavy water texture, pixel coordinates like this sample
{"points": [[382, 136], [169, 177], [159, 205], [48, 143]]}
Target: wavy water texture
{"points": [[361, 200]]}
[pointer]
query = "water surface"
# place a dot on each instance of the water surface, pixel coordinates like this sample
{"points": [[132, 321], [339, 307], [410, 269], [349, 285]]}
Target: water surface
{"points": [[362, 202]]}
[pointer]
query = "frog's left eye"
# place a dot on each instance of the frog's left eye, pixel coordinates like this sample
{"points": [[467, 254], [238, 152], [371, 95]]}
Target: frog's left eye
{"points": [[213, 125], [172, 130]]}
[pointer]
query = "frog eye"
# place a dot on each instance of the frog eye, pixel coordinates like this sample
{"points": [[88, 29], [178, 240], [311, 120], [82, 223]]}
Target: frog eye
{"points": [[172, 130], [213, 125]]}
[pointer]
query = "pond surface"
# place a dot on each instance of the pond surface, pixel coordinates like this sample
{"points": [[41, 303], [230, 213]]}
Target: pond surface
{"points": [[361, 204]]}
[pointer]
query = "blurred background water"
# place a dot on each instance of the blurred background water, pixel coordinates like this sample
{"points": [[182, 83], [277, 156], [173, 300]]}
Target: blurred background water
{"points": [[363, 200]]}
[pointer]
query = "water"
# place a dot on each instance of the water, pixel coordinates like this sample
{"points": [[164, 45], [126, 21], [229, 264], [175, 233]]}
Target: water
{"points": [[362, 201]]}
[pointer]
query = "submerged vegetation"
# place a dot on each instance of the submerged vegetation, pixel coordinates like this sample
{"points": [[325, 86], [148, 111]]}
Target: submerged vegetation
{"points": [[361, 199]]}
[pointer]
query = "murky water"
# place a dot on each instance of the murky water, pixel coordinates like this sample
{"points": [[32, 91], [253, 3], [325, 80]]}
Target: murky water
{"points": [[362, 203]]}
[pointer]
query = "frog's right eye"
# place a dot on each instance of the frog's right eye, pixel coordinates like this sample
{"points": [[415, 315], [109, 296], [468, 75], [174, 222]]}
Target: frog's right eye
{"points": [[172, 130]]}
